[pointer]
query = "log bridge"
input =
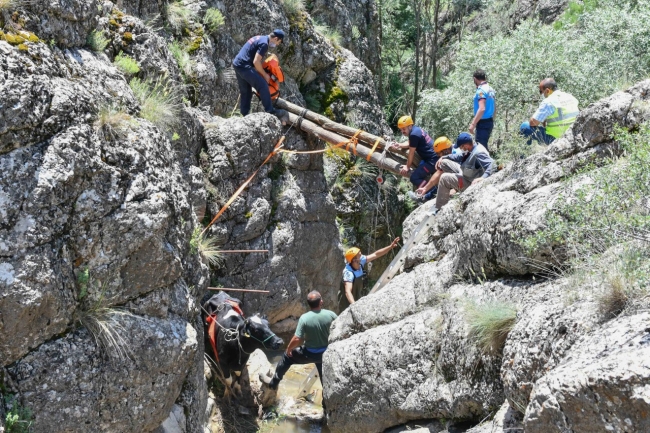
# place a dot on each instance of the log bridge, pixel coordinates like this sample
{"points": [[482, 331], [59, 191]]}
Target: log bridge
{"points": [[334, 133]]}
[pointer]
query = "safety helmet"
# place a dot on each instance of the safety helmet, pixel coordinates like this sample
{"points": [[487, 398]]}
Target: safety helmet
{"points": [[351, 253], [441, 144], [404, 121]]}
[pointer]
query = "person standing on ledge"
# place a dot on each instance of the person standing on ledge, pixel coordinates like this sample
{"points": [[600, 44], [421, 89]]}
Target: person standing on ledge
{"points": [[250, 73], [420, 142], [484, 109], [309, 342]]}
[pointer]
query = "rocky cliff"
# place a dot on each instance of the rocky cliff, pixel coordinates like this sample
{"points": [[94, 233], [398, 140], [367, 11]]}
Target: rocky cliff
{"points": [[409, 352]]}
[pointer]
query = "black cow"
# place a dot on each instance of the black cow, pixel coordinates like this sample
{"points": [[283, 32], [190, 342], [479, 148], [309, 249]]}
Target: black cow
{"points": [[235, 337]]}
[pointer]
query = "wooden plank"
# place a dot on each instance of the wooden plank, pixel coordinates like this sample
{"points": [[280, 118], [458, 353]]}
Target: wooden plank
{"points": [[228, 289]]}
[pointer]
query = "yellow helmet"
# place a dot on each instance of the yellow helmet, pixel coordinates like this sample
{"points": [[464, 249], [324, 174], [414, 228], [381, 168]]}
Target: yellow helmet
{"points": [[441, 144], [404, 121], [351, 253]]}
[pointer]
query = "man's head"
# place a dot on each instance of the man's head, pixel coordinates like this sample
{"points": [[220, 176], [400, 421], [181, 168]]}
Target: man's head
{"points": [[276, 37], [314, 300], [547, 86], [479, 76], [353, 257], [464, 142], [405, 125], [442, 146]]}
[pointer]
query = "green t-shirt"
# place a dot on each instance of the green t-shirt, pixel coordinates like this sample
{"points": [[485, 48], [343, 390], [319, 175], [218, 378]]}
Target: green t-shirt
{"points": [[314, 328]]}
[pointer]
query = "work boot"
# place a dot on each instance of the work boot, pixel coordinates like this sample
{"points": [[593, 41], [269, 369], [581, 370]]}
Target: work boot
{"points": [[271, 382], [283, 115], [419, 199]]}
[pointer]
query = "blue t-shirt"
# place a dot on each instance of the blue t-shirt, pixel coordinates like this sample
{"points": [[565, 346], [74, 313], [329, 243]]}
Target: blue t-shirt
{"points": [[349, 273], [255, 45], [423, 144], [484, 91]]}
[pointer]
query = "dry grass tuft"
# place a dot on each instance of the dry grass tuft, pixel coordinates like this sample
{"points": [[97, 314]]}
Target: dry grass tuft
{"points": [[490, 324]]}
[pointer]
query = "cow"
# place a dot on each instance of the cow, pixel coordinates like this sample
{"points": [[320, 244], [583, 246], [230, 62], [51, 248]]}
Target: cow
{"points": [[230, 338]]}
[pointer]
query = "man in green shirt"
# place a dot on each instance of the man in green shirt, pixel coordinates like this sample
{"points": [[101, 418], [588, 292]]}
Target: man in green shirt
{"points": [[309, 342]]}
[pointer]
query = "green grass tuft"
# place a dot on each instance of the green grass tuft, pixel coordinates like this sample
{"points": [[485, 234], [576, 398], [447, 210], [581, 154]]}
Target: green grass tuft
{"points": [[293, 7], [213, 20], [126, 64], [179, 17], [18, 418], [331, 35], [182, 58], [159, 102], [97, 41], [490, 324]]}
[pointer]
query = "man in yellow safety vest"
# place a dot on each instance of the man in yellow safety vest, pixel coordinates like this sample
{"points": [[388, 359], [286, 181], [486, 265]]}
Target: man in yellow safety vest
{"points": [[556, 114]]}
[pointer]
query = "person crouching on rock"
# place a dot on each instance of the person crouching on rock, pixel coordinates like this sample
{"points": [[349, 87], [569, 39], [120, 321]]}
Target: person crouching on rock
{"points": [[309, 342], [460, 170], [442, 147], [354, 274]]}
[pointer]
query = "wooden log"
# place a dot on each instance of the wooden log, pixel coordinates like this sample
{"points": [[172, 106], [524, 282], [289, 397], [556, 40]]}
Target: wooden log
{"points": [[346, 131], [243, 251], [333, 138]]}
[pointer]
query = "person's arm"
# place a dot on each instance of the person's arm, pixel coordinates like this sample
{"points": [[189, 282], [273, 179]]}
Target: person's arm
{"points": [[539, 117], [488, 165], [431, 183], [295, 342], [257, 62], [348, 292], [395, 145], [477, 117], [382, 251], [404, 170]]}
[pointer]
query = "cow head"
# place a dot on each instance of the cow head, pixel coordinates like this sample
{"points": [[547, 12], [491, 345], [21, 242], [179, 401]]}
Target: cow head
{"points": [[257, 328]]}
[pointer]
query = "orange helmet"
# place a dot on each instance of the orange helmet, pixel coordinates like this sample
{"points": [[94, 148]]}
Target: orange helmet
{"points": [[404, 121], [441, 144], [351, 253]]}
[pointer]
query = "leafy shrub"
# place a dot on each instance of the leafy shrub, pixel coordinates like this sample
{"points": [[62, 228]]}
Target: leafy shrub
{"points": [[18, 418], [213, 20], [293, 7], [97, 41], [182, 58], [328, 33], [158, 102], [490, 324], [607, 48], [178, 16], [126, 64]]}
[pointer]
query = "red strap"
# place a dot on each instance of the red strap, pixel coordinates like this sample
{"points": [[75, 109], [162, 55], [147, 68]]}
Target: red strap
{"points": [[212, 332]]}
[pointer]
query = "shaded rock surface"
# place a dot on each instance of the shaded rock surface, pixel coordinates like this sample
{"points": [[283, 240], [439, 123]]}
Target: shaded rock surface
{"points": [[475, 238]]}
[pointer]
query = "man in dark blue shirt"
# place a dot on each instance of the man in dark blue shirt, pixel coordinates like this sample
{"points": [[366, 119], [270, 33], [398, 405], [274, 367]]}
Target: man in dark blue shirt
{"points": [[420, 142], [250, 73]]}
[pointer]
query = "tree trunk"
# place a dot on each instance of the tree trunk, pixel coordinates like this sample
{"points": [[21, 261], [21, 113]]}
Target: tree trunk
{"points": [[381, 64], [434, 47], [417, 8]]}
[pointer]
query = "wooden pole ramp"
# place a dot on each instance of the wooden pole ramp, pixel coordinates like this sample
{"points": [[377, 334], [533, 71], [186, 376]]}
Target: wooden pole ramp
{"points": [[325, 129]]}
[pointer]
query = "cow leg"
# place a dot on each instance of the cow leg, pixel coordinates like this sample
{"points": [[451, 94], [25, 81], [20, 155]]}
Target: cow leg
{"points": [[238, 373]]}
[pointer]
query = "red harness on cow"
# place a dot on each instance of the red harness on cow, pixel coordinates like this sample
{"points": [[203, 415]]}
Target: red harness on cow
{"points": [[212, 326]]}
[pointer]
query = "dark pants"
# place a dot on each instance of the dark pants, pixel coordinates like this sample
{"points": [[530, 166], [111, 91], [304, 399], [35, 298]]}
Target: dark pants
{"points": [[535, 133], [431, 193], [299, 355], [248, 78], [422, 173], [483, 131]]}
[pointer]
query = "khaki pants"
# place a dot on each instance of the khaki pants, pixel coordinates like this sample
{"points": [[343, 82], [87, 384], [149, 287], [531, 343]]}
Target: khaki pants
{"points": [[452, 178]]}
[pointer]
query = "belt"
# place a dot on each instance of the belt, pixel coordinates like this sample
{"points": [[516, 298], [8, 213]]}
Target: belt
{"points": [[489, 118]]}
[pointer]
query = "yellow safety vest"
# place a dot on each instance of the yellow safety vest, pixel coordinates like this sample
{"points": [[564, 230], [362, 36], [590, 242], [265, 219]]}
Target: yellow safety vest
{"points": [[566, 111]]}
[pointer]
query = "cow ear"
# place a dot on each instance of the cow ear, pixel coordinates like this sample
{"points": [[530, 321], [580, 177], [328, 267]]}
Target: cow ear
{"points": [[247, 334]]}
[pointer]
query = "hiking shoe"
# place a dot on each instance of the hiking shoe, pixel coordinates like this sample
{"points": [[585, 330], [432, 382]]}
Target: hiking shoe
{"points": [[283, 115], [416, 197], [271, 382]]}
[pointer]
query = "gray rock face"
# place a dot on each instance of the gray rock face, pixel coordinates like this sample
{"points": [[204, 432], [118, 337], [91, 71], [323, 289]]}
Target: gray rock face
{"points": [[475, 237], [286, 210], [603, 385], [69, 381]]}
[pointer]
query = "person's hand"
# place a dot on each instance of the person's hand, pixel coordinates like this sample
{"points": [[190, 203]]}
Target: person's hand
{"points": [[438, 163], [393, 146], [288, 352], [420, 191], [404, 170], [479, 180], [394, 243], [472, 128]]}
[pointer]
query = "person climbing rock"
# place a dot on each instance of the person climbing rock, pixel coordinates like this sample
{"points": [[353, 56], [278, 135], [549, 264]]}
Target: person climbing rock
{"points": [[420, 142], [555, 114], [308, 343], [484, 109], [354, 274], [250, 73], [461, 170], [443, 147]]}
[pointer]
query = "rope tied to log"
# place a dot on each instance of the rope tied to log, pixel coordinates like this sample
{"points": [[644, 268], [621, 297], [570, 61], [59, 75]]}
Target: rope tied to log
{"points": [[353, 141]]}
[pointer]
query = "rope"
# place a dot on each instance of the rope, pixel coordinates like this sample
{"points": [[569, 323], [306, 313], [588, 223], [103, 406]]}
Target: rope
{"points": [[373, 149], [277, 148]]}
